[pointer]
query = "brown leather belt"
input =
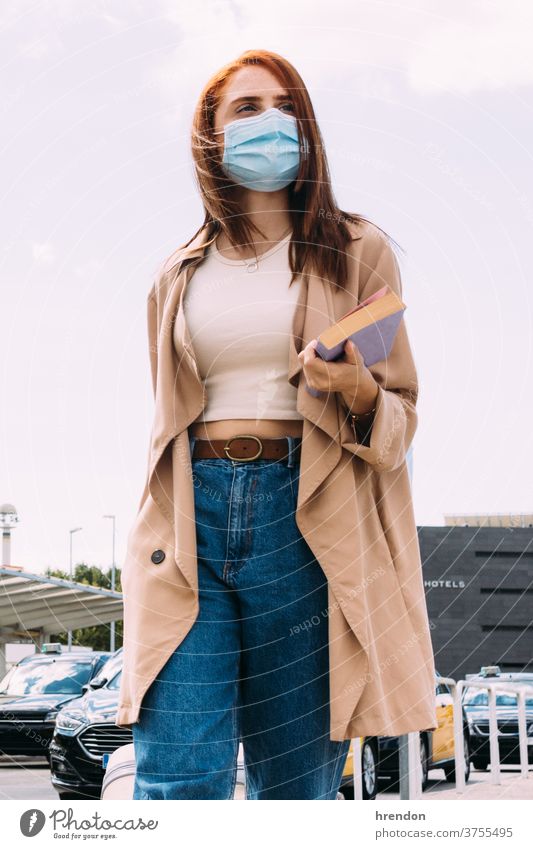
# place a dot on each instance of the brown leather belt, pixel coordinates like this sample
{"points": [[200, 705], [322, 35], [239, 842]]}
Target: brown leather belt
{"points": [[245, 448]]}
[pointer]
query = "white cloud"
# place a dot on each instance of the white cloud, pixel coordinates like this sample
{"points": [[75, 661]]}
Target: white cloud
{"points": [[466, 45], [492, 51]]}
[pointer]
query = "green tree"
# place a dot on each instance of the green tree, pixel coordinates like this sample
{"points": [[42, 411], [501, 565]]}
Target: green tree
{"points": [[96, 636]]}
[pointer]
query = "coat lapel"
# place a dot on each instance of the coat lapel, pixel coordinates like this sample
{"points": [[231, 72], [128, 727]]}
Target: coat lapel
{"points": [[179, 391]]}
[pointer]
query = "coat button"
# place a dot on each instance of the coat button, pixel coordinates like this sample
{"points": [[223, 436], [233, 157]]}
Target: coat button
{"points": [[158, 556]]}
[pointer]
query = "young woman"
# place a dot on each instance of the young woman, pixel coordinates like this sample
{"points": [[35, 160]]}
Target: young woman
{"points": [[273, 590]]}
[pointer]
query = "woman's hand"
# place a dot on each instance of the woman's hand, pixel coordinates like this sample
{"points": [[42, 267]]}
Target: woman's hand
{"points": [[350, 376]]}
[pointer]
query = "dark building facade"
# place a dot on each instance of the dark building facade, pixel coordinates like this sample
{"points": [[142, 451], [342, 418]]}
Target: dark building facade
{"points": [[479, 592]]}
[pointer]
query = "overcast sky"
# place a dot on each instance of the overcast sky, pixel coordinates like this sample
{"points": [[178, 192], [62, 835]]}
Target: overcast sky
{"points": [[426, 110]]}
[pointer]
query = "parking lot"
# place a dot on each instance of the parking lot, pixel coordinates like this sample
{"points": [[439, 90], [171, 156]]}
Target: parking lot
{"points": [[64, 702], [29, 778]]}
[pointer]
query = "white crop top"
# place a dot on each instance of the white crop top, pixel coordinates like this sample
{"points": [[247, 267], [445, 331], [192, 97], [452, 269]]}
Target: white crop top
{"points": [[240, 323]]}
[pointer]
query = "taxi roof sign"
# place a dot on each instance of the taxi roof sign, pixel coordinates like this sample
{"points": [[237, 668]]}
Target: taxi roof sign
{"points": [[489, 671], [51, 648]]}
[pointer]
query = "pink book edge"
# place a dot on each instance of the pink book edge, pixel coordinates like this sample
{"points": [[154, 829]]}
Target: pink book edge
{"points": [[371, 298]]}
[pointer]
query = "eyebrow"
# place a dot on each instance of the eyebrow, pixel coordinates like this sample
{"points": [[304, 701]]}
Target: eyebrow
{"points": [[256, 98]]}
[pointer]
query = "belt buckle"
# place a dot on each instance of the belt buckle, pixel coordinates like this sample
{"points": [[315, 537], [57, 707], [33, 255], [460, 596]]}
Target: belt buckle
{"points": [[241, 436]]}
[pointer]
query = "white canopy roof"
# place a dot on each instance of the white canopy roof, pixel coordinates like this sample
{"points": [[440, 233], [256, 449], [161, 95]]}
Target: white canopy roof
{"points": [[29, 602]]}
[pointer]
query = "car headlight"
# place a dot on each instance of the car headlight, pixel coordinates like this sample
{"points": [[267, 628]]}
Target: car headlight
{"points": [[68, 722], [51, 715], [530, 730]]}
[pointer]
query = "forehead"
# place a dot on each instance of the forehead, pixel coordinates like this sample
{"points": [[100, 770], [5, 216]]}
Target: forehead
{"points": [[252, 80]]}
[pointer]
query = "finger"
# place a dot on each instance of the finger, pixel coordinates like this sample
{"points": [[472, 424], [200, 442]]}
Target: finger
{"points": [[352, 353], [324, 374], [308, 354]]}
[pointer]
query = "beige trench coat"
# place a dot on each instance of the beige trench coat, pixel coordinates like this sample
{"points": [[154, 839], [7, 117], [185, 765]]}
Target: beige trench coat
{"points": [[354, 509]]}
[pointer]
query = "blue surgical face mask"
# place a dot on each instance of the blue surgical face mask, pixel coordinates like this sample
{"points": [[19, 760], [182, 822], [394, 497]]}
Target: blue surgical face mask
{"points": [[262, 153]]}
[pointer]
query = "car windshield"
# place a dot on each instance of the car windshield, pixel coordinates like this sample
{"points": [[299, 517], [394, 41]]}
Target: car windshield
{"points": [[50, 676], [480, 698], [114, 684], [110, 667]]}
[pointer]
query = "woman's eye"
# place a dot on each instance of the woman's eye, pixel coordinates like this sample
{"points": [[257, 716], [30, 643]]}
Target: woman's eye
{"points": [[251, 107]]}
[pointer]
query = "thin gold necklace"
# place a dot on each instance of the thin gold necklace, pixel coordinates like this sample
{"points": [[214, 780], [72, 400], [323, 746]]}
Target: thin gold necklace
{"points": [[252, 263]]}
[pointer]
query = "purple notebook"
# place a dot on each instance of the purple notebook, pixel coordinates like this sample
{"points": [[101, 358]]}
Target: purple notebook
{"points": [[372, 326]]}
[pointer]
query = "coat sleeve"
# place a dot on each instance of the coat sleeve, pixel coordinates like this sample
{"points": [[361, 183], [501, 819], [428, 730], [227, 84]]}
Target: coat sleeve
{"points": [[385, 442]]}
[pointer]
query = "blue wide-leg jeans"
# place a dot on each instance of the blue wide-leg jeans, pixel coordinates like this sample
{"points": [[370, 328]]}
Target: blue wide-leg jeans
{"points": [[254, 666]]}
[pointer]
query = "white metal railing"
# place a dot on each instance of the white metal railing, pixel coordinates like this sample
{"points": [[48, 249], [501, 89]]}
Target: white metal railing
{"points": [[357, 768], [410, 777]]}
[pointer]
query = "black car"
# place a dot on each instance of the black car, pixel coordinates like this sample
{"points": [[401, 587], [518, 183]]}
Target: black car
{"points": [[35, 689], [85, 735], [437, 746], [369, 747], [476, 705]]}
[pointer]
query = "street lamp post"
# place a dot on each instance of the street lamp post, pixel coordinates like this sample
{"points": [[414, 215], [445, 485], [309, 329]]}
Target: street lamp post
{"points": [[71, 532], [8, 520], [112, 624]]}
